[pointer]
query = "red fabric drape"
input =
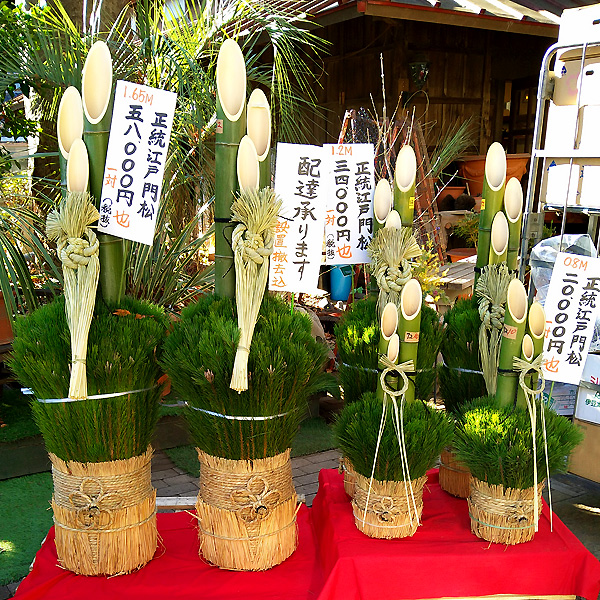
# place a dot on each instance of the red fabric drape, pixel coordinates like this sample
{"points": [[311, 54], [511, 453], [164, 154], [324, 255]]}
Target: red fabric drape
{"points": [[443, 558]]}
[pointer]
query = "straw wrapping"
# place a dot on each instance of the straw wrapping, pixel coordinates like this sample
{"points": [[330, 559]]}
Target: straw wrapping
{"points": [[454, 476]]}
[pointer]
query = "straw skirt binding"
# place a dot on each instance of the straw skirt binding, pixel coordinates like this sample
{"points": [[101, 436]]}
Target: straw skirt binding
{"points": [[454, 476]]}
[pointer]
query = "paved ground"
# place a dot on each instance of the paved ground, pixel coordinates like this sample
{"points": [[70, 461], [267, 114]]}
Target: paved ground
{"points": [[576, 501]]}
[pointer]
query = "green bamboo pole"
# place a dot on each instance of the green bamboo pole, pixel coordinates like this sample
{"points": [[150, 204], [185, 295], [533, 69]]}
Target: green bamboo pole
{"points": [[69, 127], [78, 168], [97, 99], [527, 354], [409, 324], [231, 126], [382, 203], [404, 184], [259, 129], [498, 239], [247, 165], [513, 207], [510, 344], [493, 192], [387, 329]]}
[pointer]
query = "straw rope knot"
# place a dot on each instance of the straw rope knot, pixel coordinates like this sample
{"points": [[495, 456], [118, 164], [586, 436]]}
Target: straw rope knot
{"points": [[256, 501], [252, 246], [391, 278], [492, 315], [75, 252], [94, 506], [386, 509]]}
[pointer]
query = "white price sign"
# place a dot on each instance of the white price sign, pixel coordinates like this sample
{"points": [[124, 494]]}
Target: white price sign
{"points": [[571, 307], [350, 184], [135, 161]]}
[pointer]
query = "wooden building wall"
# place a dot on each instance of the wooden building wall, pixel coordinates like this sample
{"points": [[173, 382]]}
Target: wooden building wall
{"points": [[467, 72]]}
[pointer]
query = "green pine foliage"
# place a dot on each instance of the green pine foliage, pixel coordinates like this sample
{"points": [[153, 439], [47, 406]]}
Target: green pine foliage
{"points": [[122, 356], [460, 350], [285, 367], [357, 338], [497, 445], [426, 432]]}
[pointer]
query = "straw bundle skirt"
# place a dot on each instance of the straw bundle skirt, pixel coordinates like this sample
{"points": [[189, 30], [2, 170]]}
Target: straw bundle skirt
{"points": [[104, 515], [503, 515], [349, 475], [390, 512], [454, 476], [246, 511]]}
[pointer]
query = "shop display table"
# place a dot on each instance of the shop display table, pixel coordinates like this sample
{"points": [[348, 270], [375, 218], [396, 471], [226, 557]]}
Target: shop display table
{"points": [[178, 573], [443, 559]]}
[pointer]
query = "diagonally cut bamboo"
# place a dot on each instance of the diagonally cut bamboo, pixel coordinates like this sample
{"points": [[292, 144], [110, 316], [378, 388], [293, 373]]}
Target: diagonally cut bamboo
{"points": [[512, 337], [493, 192], [393, 220], [387, 329], [513, 207], [404, 184], [498, 239], [69, 127], [382, 203], [409, 324], [231, 125], [259, 130], [78, 167], [97, 98], [248, 172]]}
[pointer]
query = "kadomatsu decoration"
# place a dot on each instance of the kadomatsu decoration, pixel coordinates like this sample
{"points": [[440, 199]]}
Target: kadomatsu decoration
{"points": [[247, 503]]}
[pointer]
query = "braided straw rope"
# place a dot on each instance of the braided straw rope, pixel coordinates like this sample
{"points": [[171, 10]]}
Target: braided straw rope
{"points": [[387, 510], [390, 249], [104, 514], [252, 243], [246, 511], [77, 247], [503, 515], [454, 476]]}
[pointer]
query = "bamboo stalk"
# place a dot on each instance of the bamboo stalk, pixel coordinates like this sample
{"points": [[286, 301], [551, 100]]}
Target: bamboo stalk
{"points": [[512, 337], [498, 239], [491, 203], [69, 127], [409, 323], [248, 172], [259, 130], [97, 99], [78, 168], [527, 354], [387, 329], [513, 206], [393, 220], [231, 125], [382, 203], [404, 184]]}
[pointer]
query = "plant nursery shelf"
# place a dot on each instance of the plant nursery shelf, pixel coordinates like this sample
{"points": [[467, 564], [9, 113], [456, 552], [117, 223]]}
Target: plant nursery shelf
{"points": [[334, 561]]}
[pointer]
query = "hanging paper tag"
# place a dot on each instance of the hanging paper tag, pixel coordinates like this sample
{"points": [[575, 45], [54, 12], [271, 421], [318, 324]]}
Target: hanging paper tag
{"points": [[411, 203], [483, 204], [219, 125], [411, 336], [510, 332]]}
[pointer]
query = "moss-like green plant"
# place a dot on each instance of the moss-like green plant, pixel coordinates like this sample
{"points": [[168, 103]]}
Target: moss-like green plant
{"points": [[426, 432], [460, 350], [285, 367], [122, 356], [496, 444], [357, 337]]}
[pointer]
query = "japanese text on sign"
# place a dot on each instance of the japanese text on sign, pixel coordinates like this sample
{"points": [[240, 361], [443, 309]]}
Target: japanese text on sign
{"points": [[298, 242], [571, 307], [135, 161], [350, 185]]}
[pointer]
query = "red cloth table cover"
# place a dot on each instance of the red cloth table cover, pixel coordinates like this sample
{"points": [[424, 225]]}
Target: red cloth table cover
{"points": [[178, 573], [443, 558]]}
